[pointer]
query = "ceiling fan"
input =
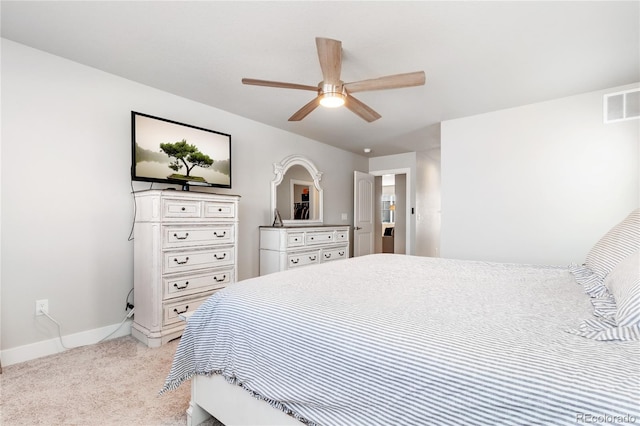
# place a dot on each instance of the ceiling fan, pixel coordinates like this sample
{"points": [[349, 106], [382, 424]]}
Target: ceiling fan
{"points": [[333, 92]]}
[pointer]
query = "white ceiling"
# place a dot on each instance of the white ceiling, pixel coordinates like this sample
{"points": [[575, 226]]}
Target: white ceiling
{"points": [[478, 56]]}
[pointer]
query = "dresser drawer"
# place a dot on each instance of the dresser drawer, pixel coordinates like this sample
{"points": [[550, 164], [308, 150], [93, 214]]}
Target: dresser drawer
{"points": [[342, 236], [171, 310], [295, 239], [219, 209], [185, 236], [328, 255], [187, 260], [185, 285], [181, 209], [322, 237], [301, 259]]}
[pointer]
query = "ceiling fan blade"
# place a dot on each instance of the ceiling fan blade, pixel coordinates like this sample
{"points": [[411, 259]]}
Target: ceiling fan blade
{"points": [[361, 109], [330, 56], [389, 82], [268, 83], [305, 110]]}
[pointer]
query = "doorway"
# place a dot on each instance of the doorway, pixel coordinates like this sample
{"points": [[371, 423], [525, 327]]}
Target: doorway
{"points": [[368, 228], [390, 213]]}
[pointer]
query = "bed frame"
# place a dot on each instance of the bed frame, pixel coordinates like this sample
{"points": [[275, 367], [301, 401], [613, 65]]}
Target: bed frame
{"points": [[231, 405]]}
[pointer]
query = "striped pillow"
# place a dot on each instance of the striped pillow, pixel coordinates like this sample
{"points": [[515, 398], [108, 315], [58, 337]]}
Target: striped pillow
{"points": [[624, 284], [622, 240]]}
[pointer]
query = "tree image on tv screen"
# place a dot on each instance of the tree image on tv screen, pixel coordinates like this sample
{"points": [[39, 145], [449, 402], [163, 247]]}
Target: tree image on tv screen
{"points": [[188, 156]]}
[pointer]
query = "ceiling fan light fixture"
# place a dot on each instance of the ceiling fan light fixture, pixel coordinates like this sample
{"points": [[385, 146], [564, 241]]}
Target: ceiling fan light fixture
{"points": [[332, 100], [331, 95]]}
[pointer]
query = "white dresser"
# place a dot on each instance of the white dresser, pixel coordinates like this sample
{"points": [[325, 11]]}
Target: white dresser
{"points": [[184, 250], [283, 248]]}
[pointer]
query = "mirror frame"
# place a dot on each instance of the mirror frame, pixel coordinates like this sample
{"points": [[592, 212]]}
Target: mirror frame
{"points": [[280, 169]]}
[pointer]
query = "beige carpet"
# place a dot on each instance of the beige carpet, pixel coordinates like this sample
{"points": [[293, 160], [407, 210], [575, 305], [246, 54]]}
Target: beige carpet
{"points": [[112, 383]]}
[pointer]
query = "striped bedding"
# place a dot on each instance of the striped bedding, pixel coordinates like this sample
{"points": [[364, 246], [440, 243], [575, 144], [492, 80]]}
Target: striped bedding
{"points": [[390, 339]]}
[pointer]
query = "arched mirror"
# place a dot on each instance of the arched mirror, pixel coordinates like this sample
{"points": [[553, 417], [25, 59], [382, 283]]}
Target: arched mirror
{"points": [[296, 192]]}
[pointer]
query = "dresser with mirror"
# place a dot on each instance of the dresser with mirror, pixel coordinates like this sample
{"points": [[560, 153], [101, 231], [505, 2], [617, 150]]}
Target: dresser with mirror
{"points": [[301, 238]]}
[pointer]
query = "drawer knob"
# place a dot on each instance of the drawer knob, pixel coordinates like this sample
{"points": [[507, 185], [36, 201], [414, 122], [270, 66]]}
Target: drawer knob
{"points": [[294, 261], [186, 259], [220, 258], [341, 253], [327, 255], [183, 209], [219, 209], [312, 258], [186, 235], [186, 283], [224, 234], [219, 280], [186, 308]]}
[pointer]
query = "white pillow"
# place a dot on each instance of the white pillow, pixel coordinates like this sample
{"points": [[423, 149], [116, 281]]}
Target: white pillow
{"points": [[623, 283], [621, 240]]}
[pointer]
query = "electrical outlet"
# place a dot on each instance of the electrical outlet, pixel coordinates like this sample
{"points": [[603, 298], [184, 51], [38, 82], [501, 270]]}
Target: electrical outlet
{"points": [[42, 306]]}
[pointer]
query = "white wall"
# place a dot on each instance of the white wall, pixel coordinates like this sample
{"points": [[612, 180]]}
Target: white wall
{"points": [[67, 208], [428, 202], [539, 184], [400, 226]]}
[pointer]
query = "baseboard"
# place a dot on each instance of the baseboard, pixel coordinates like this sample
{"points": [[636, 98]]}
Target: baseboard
{"points": [[53, 346]]}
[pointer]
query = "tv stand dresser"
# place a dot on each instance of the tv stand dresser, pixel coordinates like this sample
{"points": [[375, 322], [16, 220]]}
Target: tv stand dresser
{"points": [[185, 249]]}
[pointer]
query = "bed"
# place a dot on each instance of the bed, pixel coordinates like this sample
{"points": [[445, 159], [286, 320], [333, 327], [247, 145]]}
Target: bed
{"points": [[393, 339]]}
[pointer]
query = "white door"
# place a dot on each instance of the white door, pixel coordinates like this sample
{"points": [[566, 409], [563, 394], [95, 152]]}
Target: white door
{"points": [[363, 217]]}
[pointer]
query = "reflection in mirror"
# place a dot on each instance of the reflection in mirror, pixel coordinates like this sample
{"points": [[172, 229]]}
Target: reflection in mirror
{"points": [[296, 195], [296, 191], [303, 205]]}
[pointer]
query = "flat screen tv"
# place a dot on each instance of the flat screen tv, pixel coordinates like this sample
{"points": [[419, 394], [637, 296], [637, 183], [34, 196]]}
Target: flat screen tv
{"points": [[166, 151]]}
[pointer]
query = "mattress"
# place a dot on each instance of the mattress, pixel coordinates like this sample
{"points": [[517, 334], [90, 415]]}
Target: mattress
{"points": [[393, 339]]}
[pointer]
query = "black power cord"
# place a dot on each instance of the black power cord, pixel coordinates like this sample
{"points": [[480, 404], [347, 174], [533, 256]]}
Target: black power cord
{"points": [[128, 305]]}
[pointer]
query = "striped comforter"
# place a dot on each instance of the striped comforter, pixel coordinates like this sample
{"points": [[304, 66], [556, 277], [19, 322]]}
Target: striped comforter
{"points": [[390, 339]]}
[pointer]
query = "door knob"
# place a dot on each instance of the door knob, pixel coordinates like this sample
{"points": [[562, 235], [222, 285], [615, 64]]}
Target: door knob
{"points": [[357, 228]]}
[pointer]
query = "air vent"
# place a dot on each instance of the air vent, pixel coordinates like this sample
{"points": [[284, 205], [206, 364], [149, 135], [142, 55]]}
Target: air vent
{"points": [[621, 106]]}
